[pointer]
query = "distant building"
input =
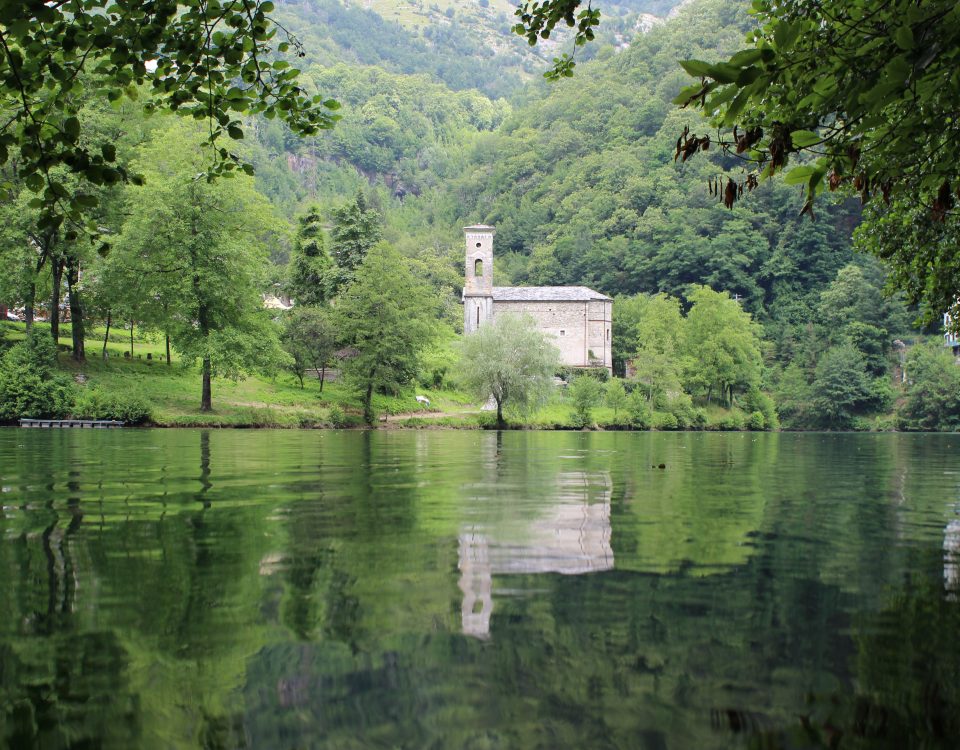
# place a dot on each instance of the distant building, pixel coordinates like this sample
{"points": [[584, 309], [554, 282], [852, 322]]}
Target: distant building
{"points": [[579, 319]]}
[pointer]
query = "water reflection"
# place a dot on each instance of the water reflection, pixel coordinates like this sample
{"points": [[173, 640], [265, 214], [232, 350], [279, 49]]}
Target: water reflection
{"points": [[571, 537], [951, 556], [191, 589]]}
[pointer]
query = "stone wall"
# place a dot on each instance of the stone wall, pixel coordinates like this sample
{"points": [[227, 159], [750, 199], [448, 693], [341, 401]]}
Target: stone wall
{"points": [[577, 328]]}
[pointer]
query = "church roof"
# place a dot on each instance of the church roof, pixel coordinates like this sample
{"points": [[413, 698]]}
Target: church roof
{"points": [[546, 294]]}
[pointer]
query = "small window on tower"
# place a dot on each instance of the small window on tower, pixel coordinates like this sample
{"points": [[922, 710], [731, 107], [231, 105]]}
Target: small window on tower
{"points": [[608, 334], [478, 316], [563, 333], [478, 268], [478, 244]]}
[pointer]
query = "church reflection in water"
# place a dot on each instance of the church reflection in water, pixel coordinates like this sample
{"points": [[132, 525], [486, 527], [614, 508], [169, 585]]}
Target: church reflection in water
{"points": [[570, 536], [951, 556]]}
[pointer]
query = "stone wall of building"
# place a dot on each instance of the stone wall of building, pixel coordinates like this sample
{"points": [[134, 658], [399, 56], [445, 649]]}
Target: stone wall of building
{"points": [[577, 328], [477, 310]]}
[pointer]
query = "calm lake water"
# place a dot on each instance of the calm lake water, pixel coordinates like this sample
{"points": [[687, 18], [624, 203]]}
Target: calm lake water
{"points": [[233, 589]]}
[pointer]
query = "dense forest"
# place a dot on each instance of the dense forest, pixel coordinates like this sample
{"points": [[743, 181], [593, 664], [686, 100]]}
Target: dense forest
{"points": [[441, 127]]}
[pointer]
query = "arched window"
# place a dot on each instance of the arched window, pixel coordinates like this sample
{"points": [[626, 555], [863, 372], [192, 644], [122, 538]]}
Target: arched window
{"points": [[478, 268]]}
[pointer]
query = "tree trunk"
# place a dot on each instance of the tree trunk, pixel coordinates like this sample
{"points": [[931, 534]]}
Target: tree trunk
{"points": [[76, 308], [29, 304], [106, 336], [323, 375], [167, 336], [56, 271], [368, 399], [203, 318], [131, 338], [500, 423], [206, 399]]}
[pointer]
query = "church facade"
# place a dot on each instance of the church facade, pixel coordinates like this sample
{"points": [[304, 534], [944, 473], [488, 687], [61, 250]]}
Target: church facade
{"points": [[579, 320]]}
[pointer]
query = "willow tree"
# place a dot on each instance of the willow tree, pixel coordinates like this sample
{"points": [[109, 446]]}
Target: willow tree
{"points": [[510, 360], [195, 254]]}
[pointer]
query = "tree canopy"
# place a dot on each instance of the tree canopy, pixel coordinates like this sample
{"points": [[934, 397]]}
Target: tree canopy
{"points": [[212, 60], [510, 360], [387, 316], [858, 96]]}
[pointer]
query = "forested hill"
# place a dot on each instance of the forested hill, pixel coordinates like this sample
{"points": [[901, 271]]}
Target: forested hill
{"points": [[581, 183], [464, 45], [579, 177]]}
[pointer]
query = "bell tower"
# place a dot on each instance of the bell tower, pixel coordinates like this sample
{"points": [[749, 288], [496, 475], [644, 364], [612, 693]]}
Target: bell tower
{"points": [[478, 277]]}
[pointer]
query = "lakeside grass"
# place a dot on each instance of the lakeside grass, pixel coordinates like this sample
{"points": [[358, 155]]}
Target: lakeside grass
{"points": [[173, 393]]}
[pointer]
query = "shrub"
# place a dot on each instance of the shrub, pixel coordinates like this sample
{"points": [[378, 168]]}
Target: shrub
{"points": [[616, 398], [732, 421], [757, 400], [569, 374], [664, 420], [30, 386], [681, 407], [586, 394], [92, 403], [756, 421], [337, 416], [638, 410]]}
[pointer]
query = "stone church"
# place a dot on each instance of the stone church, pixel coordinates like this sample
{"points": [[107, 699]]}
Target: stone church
{"points": [[577, 318]]}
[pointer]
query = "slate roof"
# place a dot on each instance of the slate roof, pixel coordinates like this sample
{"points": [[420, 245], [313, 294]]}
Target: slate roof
{"points": [[545, 294]]}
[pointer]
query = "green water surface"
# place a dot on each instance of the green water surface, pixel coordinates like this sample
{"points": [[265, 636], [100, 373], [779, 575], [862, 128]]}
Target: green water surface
{"points": [[315, 589]]}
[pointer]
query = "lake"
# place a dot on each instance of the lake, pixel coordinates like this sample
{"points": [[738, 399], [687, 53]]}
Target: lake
{"points": [[456, 589]]}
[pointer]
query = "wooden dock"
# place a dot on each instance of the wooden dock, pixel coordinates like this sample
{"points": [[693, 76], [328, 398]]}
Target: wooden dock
{"points": [[96, 424]]}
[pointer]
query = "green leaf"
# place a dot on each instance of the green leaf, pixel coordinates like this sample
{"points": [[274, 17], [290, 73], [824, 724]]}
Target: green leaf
{"points": [[235, 132], [723, 73], [736, 107], [696, 68], [71, 129], [786, 34], [109, 152], [746, 57], [798, 175], [904, 38], [804, 138]]}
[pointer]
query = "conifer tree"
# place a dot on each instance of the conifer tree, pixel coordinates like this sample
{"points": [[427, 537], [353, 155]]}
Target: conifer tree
{"points": [[310, 266], [356, 229]]}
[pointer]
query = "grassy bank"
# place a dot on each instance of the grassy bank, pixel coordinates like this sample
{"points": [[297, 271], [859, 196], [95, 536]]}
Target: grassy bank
{"points": [[172, 392]]}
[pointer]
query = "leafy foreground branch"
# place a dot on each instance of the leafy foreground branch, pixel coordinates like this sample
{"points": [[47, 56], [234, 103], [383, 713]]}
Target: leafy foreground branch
{"points": [[211, 60]]}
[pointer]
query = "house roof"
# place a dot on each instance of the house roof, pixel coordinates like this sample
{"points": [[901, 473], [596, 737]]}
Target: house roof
{"points": [[546, 294]]}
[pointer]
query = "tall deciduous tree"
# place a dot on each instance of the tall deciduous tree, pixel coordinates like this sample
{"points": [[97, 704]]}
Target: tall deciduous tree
{"points": [[194, 251], [724, 346], [933, 390], [310, 339], [840, 389], [387, 315], [511, 360], [660, 356]]}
